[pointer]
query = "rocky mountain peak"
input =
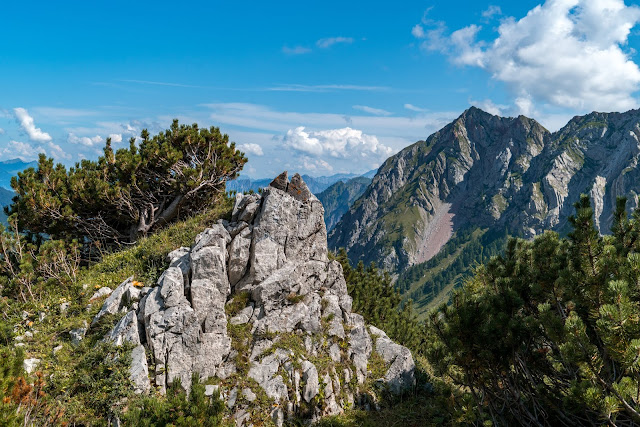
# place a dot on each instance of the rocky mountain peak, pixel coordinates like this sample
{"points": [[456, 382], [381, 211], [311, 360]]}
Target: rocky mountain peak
{"points": [[256, 308], [491, 172]]}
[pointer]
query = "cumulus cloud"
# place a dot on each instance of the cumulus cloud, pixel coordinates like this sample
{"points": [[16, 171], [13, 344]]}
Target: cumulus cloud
{"points": [[251, 148], [115, 137], [330, 41], [336, 143], [2, 131], [28, 125], [567, 53], [265, 119], [298, 50], [23, 150], [496, 109], [27, 152], [85, 140], [315, 165], [57, 152], [371, 110]]}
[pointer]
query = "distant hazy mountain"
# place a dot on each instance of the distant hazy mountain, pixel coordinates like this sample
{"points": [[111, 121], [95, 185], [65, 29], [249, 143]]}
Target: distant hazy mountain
{"points": [[5, 200], [9, 168], [338, 198], [492, 174], [315, 184]]}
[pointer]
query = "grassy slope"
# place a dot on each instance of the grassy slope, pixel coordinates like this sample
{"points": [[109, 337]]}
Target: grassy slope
{"points": [[73, 371]]}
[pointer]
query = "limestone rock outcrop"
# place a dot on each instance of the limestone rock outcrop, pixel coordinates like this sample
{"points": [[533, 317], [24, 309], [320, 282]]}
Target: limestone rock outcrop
{"points": [[256, 307]]}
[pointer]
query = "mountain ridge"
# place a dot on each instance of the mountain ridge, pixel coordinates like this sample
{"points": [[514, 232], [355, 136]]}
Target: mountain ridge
{"points": [[491, 172], [10, 168], [315, 184]]}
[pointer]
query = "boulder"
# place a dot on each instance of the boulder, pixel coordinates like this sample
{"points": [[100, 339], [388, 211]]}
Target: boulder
{"points": [[102, 292], [119, 300], [399, 376], [30, 365]]}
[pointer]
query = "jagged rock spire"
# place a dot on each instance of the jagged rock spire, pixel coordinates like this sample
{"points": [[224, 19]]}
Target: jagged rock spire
{"points": [[258, 298]]}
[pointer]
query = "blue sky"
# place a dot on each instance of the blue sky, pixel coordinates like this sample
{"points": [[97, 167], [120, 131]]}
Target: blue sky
{"points": [[316, 87]]}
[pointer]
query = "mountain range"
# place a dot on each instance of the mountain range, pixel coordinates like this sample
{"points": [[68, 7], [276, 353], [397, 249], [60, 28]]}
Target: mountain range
{"points": [[481, 178], [315, 184], [340, 196], [10, 168]]}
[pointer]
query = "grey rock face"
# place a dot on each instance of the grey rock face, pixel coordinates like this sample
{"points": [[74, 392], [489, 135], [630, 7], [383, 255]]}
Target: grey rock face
{"points": [[281, 181], [239, 256], [400, 359], [119, 300], [103, 291], [298, 189], [129, 329], [310, 378], [273, 258]]}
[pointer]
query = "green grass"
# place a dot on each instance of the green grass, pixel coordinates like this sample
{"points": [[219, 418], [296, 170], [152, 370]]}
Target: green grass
{"points": [[429, 404], [84, 381], [146, 260]]}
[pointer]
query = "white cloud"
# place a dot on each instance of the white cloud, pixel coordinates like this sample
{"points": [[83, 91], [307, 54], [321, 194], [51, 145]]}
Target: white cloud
{"points": [[371, 110], [412, 107], [298, 50], [116, 138], [57, 152], [259, 124], [26, 122], [337, 143], [23, 150], [315, 165], [28, 152], [85, 140], [524, 105], [330, 41], [2, 131], [492, 108], [567, 53], [260, 117], [492, 11], [418, 32], [251, 148]]}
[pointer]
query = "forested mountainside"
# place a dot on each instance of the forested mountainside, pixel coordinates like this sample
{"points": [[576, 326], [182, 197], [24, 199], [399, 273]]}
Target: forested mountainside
{"points": [[502, 175]]}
